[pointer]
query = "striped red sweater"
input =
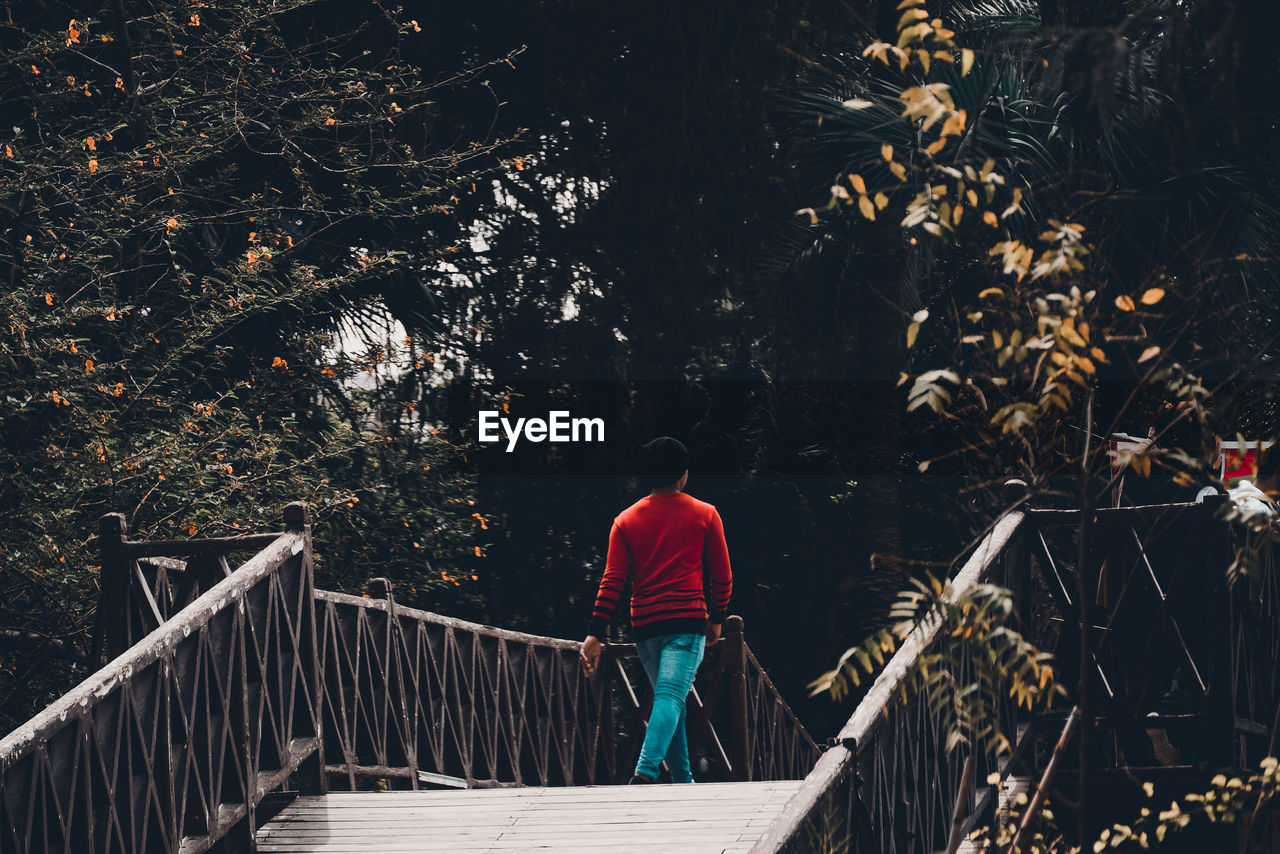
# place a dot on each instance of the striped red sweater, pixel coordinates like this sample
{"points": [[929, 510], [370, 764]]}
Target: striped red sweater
{"points": [[662, 544]]}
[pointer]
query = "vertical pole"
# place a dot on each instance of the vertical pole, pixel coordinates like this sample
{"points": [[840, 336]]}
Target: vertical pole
{"points": [[1221, 700], [310, 775], [241, 837], [736, 648], [1086, 591], [394, 683], [114, 616]]}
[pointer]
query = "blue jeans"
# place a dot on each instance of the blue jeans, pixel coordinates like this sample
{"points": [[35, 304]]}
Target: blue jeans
{"points": [[670, 662]]}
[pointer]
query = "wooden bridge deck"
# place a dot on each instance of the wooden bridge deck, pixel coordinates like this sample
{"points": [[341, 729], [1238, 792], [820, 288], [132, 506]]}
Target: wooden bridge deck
{"points": [[705, 818]]}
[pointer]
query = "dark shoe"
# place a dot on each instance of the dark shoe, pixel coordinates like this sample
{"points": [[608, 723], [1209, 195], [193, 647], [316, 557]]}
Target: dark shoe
{"points": [[641, 780]]}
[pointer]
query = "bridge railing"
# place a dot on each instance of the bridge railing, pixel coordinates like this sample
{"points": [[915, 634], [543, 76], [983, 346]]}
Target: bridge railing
{"points": [[172, 745], [888, 784], [1179, 656], [416, 698], [235, 684]]}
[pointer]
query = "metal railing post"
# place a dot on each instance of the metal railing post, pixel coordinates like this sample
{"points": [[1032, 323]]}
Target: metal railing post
{"points": [[736, 665], [310, 774], [115, 608]]}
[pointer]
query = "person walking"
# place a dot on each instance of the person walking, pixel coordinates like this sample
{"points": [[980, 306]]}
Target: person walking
{"points": [[663, 544]]}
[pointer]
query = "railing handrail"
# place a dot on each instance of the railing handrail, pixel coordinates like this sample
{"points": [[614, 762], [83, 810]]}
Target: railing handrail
{"points": [[221, 596], [869, 713], [446, 621]]}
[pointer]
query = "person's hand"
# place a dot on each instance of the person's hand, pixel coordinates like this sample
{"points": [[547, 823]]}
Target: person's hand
{"points": [[589, 655], [713, 632]]}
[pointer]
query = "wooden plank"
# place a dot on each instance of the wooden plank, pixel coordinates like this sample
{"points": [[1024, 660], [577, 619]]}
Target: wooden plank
{"points": [[707, 818]]}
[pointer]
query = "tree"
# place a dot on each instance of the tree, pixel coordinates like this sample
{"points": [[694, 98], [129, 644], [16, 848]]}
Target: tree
{"points": [[193, 199], [1039, 334]]}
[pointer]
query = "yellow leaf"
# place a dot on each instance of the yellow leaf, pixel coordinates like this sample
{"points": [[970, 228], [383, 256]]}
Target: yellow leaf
{"points": [[1153, 296], [813, 215], [48, 299], [1096, 352], [1124, 303], [923, 57], [908, 3], [858, 184], [966, 61], [1149, 353], [886, 151], [972, 198], [881, 201], [92, 143], [1015, 205], [990, 292], [867, 208], [991, 219], [331, 121], [912, 331], [954, 125], [937, 145], [173, 223], [1085, 364], [910, 17], [899, 170]]}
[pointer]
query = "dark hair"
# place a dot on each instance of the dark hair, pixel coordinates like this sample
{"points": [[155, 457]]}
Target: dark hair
{"points": [[663, 461]]}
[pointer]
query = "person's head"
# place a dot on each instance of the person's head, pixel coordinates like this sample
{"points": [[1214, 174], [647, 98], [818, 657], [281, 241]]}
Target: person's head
{"points": [[664, 464]]}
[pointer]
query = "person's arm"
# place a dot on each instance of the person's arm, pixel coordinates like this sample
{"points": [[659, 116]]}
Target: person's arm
{"points": [[617, 568], [715, 559]]}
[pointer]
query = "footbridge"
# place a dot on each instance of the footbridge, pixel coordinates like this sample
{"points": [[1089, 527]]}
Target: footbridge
{"points": [[241, 709]]}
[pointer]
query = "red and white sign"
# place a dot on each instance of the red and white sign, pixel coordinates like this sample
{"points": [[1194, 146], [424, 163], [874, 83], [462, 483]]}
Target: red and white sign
{"points": [[1240, 460]]}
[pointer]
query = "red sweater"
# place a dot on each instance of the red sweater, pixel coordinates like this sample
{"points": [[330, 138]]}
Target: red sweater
{"points": [[662, 544]]}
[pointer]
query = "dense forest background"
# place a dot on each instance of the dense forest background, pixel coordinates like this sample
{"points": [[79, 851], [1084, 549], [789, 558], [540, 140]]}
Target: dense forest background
{"points": [[261, 254]]}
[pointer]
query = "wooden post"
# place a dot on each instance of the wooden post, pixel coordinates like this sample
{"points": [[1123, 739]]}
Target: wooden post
{"points": [[310, 775], [736, 664], [115, 611]]}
